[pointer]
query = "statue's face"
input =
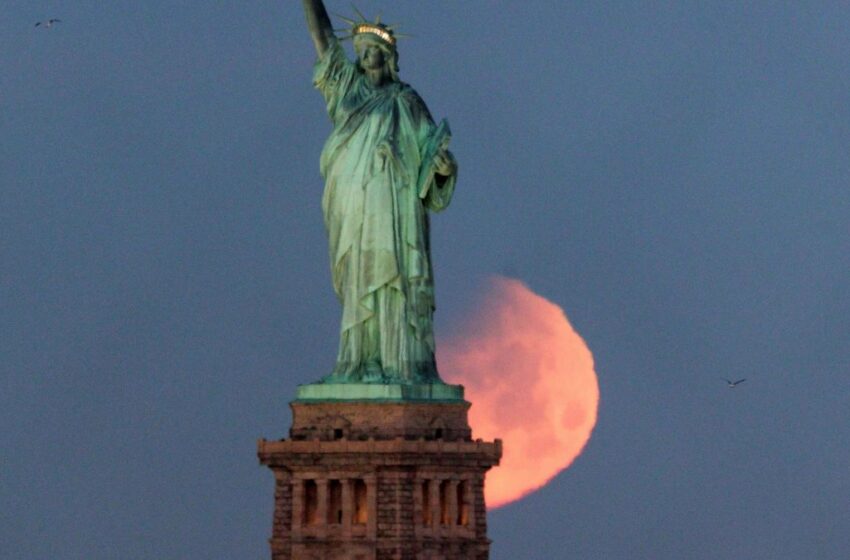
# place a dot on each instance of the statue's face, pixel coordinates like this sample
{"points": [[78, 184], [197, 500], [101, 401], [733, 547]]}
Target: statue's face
{"points": [[372, 57], [370, 52]]}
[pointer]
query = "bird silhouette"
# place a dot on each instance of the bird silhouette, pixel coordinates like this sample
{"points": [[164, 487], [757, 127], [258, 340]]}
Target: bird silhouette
{"points": [[48, 23], [732, 384]]}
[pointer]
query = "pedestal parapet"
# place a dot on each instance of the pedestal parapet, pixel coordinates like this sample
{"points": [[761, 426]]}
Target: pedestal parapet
{"points": [[407, 392], [379, 480]]}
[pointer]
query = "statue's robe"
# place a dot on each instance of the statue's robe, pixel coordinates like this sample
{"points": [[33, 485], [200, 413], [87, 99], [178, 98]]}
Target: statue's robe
{"points": [[377, 193]]}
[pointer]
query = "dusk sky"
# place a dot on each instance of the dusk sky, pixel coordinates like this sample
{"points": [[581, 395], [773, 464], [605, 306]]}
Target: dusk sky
{"points": [[674, 175]]}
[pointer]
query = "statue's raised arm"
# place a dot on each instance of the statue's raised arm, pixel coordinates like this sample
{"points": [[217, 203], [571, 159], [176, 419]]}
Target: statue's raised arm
{"points": [[319, 24]]}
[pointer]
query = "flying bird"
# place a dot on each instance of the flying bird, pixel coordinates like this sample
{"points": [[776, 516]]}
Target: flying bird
{"points": [[48, 23], [732, 384]]}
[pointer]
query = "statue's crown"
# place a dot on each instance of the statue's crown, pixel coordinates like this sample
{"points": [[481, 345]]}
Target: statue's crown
{"points": [[381, 30]]}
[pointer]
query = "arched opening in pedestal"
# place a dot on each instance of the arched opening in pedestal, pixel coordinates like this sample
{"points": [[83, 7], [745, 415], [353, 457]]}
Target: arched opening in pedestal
{"points": [[311, 503], [334, 502], [445, 517], [425, 489], [463, 503], [360, 511]]}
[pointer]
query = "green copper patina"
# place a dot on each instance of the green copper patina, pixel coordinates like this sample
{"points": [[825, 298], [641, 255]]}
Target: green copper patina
{"points": [[385, 165]]}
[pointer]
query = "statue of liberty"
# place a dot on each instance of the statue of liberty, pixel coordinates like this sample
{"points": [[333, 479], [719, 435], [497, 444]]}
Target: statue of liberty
{"points": [[385, 165]]}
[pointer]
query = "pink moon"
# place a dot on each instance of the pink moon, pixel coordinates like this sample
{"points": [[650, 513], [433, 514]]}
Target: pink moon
{"points": [[531, 382]]}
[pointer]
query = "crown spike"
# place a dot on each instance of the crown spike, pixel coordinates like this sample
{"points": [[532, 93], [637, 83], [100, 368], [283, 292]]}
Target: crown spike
{"points": [[359, 13], [347, 20]]}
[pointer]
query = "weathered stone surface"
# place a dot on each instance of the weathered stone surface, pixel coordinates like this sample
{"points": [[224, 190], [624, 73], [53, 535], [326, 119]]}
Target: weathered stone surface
{"points": [[365, 420], [424, 494]]}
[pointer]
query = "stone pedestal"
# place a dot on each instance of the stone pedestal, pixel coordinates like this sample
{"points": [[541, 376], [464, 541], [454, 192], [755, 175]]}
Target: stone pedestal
{"points": [[379, 480]]}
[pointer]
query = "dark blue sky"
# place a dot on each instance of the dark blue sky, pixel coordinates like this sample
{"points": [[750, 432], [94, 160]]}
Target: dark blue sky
{"points": [[674, 175]]}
